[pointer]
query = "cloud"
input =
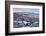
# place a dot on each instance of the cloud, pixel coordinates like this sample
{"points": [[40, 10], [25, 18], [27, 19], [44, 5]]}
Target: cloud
{"points": [[30, 10]]}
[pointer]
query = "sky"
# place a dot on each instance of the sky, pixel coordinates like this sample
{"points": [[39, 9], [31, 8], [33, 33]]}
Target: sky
{"points": [[29, 10]]}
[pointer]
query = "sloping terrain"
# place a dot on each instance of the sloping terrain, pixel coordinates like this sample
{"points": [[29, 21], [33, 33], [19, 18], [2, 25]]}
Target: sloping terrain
{"points": [[23, 19]]}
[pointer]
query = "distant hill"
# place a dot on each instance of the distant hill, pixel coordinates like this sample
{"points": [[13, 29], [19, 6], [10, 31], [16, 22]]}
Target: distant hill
{"points": [[26, 14]]}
